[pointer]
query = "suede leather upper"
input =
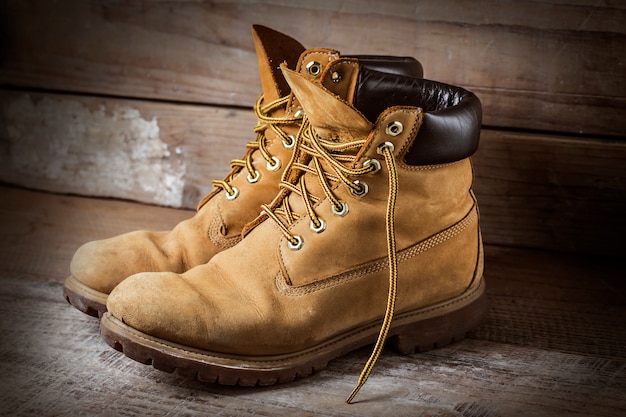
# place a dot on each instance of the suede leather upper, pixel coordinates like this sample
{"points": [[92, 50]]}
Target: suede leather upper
{"points": [[217, 225], [262, 297]]}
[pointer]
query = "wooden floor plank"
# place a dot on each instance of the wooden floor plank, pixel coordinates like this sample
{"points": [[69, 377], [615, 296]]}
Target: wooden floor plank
{"points": [[62, 368], [553, 343], [556, 301]]}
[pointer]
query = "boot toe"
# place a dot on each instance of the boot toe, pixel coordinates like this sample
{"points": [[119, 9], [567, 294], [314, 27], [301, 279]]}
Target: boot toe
{"points": [[103, 264], [86, 266], [161, 305]]}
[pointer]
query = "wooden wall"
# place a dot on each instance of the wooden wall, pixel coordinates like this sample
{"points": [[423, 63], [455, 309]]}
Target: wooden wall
{"points": [[149, 100]]}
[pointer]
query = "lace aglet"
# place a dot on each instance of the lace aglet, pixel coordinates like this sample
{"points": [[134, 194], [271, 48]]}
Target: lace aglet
{"points": [[362, 379], [355, 391]]}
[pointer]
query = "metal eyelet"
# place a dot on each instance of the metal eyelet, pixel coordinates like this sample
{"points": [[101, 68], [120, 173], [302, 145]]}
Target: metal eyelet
{"points": [[362, 188], [373, 162], [289, 144], [235, 194], [320, 228], [342, 212], [252, 179], [299, 114], [314, 68], [384, 145], [297, 245], [274, 165], [394, 128]]}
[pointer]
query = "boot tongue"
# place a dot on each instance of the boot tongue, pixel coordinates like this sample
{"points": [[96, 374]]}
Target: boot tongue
{"points": [[272, 49], [332, 117]]}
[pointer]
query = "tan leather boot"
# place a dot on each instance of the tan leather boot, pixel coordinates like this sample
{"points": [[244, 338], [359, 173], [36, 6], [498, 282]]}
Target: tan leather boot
{"points": [[373, 236], [97, 267]]}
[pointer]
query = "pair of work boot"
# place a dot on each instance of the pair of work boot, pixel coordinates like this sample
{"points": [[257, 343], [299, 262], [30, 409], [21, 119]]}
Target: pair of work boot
{"points": [[349, 221]]}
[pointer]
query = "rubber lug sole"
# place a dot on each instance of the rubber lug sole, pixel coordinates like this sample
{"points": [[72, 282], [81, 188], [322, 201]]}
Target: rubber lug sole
{"points": [[84, 298], [415, 331]]}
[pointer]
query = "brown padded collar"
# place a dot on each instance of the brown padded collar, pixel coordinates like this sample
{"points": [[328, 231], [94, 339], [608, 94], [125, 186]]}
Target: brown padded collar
{"points": [[401, 65], [452, 115]]}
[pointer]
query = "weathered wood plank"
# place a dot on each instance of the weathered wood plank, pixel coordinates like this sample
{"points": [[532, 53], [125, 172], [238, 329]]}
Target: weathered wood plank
{"points": [[65, 369], [552, 345], [552, 192], [534, 190], [546, 65], [152, 152], [556, 301], [40, 231]]}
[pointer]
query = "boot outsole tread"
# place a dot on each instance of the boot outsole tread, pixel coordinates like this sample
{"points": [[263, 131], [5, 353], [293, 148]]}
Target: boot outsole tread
{"points": [[406, 337], [83, 298]]}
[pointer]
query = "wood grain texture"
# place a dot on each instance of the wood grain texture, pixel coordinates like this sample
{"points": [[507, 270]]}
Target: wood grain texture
{"points": [[534, 190], [40, 230], [157, 153], [148, 101], [547, 65], [552, 345], [552, 192]]}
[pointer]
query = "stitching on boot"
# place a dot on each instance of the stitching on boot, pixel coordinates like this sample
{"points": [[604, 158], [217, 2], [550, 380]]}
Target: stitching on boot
{"points": [[379, 265], [377, 133], [217, 238], [205, 354], [427, 167], [329, 55]]}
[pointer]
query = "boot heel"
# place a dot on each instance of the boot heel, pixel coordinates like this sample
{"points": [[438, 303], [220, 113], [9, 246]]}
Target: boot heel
{"points": [[438, 331]]}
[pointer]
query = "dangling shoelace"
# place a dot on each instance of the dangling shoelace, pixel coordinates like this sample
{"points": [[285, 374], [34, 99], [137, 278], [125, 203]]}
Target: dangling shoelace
{"points": [[337, 157], [387, 151], [264, 122]]}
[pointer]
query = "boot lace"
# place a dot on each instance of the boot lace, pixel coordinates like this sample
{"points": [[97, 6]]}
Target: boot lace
{"points": [[264, 121], [330, 162]]}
